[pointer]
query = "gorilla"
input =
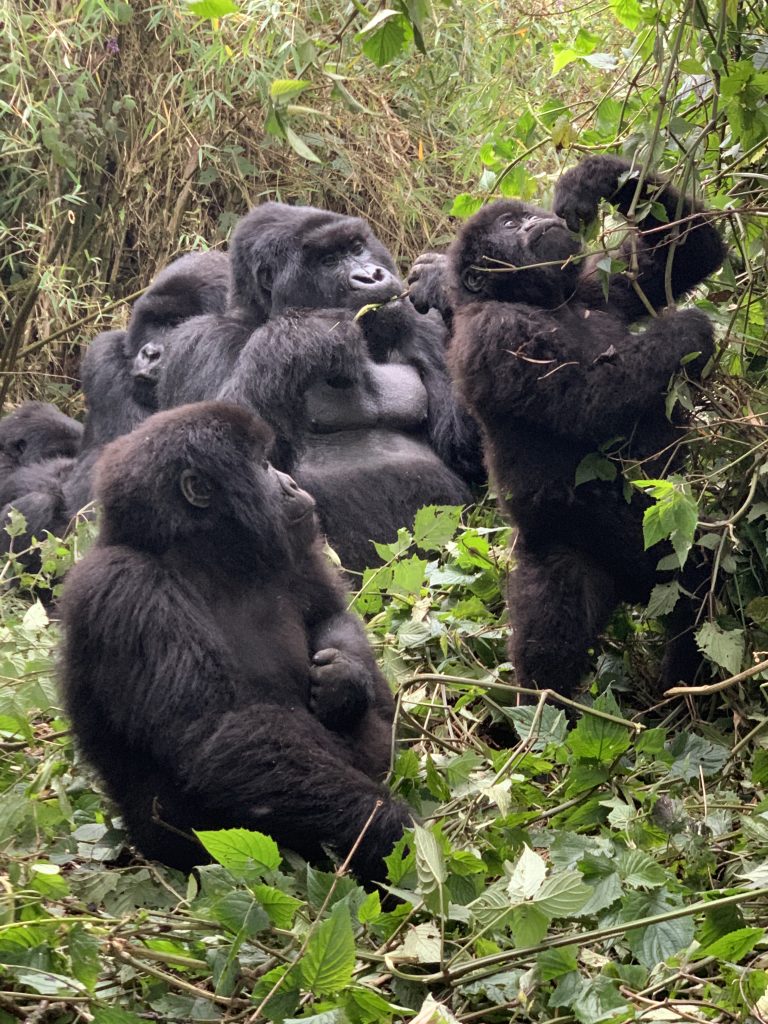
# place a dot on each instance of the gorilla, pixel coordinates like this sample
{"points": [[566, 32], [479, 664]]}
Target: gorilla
{"points": [[33, 433], [38, 444], [119, 370], [359, 398], [211, 671], [545, 359]]}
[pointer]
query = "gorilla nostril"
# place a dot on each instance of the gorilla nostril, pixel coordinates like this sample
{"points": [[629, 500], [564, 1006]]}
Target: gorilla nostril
{"points": [[151, 353]]}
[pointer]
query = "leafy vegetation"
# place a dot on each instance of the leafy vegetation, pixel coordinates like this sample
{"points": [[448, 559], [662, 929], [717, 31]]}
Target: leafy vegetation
{"points": [[600, 863]]}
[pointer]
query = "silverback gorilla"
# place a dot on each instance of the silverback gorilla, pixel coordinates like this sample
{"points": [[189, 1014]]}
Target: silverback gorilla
{"points": [[546, 362], [119, 369], [211, 671], [362, 409]]}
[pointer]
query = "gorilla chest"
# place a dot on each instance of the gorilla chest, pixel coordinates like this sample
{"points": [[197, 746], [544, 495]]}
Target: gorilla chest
{"points": [[266, 638], [389, 396]]}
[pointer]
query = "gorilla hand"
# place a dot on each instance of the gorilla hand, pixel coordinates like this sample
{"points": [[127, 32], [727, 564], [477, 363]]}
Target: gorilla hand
{"points": [[427, 284], [580, 189], [341, 688]]}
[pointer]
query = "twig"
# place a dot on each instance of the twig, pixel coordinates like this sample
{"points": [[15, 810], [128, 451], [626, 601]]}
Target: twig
{"points": [[703, 691]]}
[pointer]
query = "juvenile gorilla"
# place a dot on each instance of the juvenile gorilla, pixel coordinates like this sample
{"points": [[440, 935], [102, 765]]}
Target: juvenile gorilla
{"points": [[211, 671], [363, 410], [37, 447], [119, 370], [547, 364]]}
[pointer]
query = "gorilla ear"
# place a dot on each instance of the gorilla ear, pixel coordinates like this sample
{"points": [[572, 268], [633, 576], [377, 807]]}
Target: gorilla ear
{"points": [[196, 488]]}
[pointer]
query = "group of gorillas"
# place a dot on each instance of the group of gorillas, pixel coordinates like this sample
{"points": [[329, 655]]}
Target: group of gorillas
{"points": [[211, 670]]}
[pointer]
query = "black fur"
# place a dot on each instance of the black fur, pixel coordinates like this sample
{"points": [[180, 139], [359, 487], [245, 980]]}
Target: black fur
{"points": [[363, 410], [37, 448], [549, 367], [210, 668], [119, 369]]}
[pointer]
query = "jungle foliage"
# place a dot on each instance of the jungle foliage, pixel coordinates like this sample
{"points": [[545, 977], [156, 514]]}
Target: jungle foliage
{"points": [[606, 862]]}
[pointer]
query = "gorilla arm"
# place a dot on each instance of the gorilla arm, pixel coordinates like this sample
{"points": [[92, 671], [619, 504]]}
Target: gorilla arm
{"points": [[280, 361], [517, 362], [698, 249], [154, 640], [349, 694]]}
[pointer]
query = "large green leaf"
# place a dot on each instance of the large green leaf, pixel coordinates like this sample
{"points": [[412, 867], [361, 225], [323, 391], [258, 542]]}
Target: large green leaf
{"points": [[327, 965]]}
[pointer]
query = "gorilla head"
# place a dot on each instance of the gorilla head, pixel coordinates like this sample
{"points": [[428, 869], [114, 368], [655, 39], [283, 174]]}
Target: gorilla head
{"points": [[513, 252], [192, 285], [35, 432], [307, 258], [211, 479]]}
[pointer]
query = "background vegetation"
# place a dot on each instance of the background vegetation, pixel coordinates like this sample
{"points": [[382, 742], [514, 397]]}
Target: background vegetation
{"points": [[611, 870]]}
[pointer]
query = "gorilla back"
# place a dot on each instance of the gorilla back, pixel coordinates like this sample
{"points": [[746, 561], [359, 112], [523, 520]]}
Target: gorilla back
{"points": [[211, 671]]}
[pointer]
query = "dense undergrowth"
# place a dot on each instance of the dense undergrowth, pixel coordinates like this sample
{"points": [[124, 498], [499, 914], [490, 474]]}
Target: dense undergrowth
{"points": [[603, 863]]}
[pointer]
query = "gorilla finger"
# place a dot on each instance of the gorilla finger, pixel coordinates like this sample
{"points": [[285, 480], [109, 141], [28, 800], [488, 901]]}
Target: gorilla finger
{"points": [[325, 656]]}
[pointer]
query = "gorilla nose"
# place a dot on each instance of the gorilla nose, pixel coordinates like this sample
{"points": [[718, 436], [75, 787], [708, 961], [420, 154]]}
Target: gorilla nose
{"points": [[150, 353], [373, 276]]}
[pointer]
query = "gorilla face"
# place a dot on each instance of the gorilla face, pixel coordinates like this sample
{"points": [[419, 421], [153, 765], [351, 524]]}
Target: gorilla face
{"points": [[298, 257], [145, 372], [199, 474], [513, 252]]}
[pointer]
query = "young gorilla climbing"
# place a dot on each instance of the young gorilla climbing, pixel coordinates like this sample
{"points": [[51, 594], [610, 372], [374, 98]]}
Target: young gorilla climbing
{"points": [[548, 365], [363, 410], [211, 671]]}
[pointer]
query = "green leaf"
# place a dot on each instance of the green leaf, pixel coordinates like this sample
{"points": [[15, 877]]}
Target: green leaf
{"points": [[562, 894], [757, 610], [529, 924], [114, 1015], [299, 146], [286, 998], [527, 876], [370, 909], [435, 525], [464, 205], [554, 963], [693, 755], [285, 88], [47, 879], [239, 850], [640, 871], [407, 576], [734, 946], [724, 647], [564, 56], [83, 949], [663, 599], [628, 12], [654, 943], [383, 45], [430, 862], [596, 738], [327, 966], [551, 728], [280, 907], [595, 467], [212, 8]]}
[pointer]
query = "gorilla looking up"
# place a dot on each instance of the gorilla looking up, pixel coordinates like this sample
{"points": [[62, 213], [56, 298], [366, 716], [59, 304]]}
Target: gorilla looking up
{"points": [[363, 409], [211, 671], [119, 369], [546, 361]]}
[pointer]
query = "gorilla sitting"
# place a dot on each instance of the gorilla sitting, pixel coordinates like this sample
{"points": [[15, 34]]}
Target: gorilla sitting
{"points": [[119, 370], [545, 360], [38, 444], [363, 409], [211, 671]]}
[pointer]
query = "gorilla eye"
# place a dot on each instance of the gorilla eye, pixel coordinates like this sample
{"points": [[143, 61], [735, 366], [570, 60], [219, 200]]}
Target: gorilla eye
{"points": [[329, 260], [356, 248], [511, 223], [473, 280]]}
